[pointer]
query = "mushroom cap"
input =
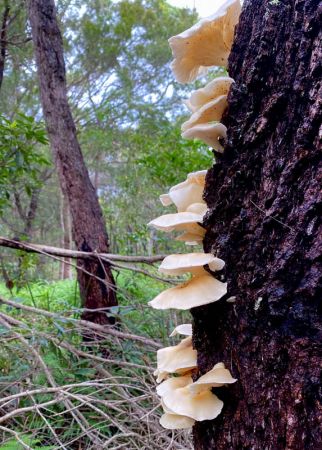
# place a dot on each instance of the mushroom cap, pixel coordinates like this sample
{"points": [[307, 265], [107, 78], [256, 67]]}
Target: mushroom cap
{"points": [[186, 195], [216, 377], [197, 208], [160, 375], [218, 86], [179, 264], [171, 384], [177, 357], [165, 199], [198, 177], [231, 20], [209, 112], [210, 133], [199, 290], [185, 329], [206, 44], [187, 192], [202, 406], [190, 238], [176, 422], [184, 221]]}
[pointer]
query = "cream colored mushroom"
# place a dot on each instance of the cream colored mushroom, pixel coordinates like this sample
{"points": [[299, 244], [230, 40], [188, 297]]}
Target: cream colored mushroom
{"points": [[179, 264], [200, 290], [209, 133], [160, 375], [183, 221], [171, 384], [178, 398], [197, 208], [189, 194], [217, 87], [165, 199], [185, 329], [216, 377], [209, 112], [230, 22], [198, 177], [190, 238], [206, 44], [181, 357], [185, 193], [176, 421]]}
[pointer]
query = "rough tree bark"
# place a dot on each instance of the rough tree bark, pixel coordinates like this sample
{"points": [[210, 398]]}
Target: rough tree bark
{"points": [[88, 227], [3, 39], [264, 196]]}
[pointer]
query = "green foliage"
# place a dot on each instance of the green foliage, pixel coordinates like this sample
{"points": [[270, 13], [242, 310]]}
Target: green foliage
{"points": [[20, 370], [19, 155], [30, 441]]}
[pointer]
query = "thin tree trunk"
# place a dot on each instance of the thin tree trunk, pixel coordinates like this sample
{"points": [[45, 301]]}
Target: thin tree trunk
{"points": [[264, 196], [89, 231], [3, 39], [65, 267]]}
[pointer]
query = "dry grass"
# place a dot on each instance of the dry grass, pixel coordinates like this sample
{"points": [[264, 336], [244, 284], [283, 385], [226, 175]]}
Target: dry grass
{"points": [[57, 394]]}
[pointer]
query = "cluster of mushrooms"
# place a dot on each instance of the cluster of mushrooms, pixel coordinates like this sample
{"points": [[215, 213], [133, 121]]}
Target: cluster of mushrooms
{"points": [[184, 400]]}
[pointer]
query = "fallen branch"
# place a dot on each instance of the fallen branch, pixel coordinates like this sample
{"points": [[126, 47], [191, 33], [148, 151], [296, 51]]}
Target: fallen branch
{"points": [[83, 323], [75, 254]]}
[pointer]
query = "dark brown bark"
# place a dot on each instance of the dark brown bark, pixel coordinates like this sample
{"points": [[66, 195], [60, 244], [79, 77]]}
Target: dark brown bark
{"points": [[89, 232], [264, 196], [3, 39]]}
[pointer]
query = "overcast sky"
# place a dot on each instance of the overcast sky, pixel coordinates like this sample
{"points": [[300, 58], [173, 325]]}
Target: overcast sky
{"points": [[204, 7]]}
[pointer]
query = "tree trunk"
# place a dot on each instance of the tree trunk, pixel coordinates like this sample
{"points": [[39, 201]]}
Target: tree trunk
{"points": [[264, 198], [65, 222], [3, 39], [88, 227]]}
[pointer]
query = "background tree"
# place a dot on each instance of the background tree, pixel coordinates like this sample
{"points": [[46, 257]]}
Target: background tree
{"points": [[264, 196], [95, 278]]}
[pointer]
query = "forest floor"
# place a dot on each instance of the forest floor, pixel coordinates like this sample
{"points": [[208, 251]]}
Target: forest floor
{"points": [[42, 352]]}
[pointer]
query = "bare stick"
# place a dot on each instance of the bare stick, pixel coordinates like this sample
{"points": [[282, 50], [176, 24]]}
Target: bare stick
{"points": [[75, 254], [83, 323]]}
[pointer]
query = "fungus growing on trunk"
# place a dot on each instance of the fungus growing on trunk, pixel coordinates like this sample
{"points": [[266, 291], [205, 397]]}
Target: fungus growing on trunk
{"points": [[178, 358], [190, 238], [209, 112], [201, 289], [184, 194], [179, 264], [183, 221], [185, 329], [209, 133], [217, 87], [176, 422], [216, 377], [177, 397], [206, 44]]}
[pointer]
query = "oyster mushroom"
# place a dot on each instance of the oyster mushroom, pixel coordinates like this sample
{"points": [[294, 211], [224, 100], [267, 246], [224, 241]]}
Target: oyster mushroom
{"points": [[184, 194], [176, 422], [216, 377], [200, 290], [217, 87], [185, 329], [177, 397], [183, 221], [209, 133], [209, 112], [206, 44], [179, 264], [178, 358]]}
